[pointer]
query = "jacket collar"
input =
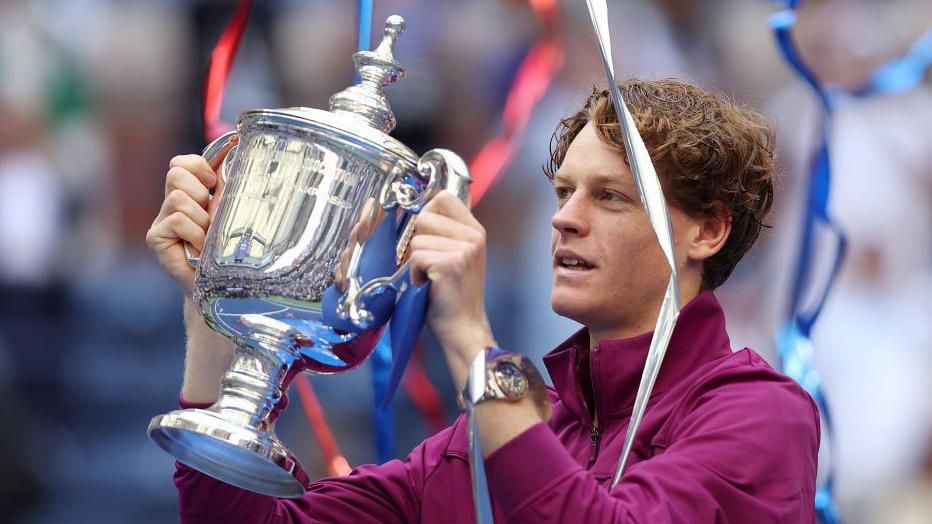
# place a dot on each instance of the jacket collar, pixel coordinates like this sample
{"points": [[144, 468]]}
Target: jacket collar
{"points": [[699, 337]]}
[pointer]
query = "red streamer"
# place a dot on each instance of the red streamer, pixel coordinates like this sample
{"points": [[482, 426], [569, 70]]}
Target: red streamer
{"points": [[336, 462], [534, 76], [218, 71]]}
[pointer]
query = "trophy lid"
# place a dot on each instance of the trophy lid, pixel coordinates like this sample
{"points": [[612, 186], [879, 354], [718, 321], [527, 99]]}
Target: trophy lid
{"points": [[360, 114]]}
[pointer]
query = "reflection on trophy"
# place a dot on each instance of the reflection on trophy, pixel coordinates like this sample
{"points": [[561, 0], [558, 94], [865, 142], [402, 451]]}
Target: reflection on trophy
{"points": [[306, 189]]}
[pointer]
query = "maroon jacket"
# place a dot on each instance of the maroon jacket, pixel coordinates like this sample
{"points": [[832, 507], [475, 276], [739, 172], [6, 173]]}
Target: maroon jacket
{"points": [[725, 439]]}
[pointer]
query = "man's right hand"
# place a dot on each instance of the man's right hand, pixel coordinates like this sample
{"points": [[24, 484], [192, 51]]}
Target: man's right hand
{"points": [[185, 215]]}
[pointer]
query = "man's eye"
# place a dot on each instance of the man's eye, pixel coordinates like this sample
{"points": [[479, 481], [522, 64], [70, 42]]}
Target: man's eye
{"points": [[563, 192], [612, 196]]}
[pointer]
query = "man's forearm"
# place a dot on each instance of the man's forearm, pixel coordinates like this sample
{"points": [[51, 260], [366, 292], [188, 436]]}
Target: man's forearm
{"points": [[208, 356]]}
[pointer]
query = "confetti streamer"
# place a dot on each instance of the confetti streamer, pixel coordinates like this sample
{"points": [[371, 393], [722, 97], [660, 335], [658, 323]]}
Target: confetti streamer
{"points": [[659, 214]]}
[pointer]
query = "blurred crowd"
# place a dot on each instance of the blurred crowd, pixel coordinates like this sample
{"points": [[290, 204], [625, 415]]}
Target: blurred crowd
{"points": [[97, 95]]}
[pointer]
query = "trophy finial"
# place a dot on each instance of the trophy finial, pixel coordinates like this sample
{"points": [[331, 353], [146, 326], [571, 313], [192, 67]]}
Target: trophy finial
{"points": [[394, 26], [376, 69]]}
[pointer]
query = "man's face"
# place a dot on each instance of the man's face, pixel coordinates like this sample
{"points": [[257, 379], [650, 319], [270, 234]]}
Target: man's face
{"points": [[609, 272]]}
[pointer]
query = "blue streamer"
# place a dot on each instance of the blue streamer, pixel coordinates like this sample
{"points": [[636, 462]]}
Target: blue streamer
{"points": [[384, 418], [794, 346], [901, 75], [365, 25], [397, 343], [405, 327], [381, 359]]}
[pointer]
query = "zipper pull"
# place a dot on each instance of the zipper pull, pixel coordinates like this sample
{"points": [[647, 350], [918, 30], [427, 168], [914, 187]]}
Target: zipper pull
{"points": [[594, 450]]}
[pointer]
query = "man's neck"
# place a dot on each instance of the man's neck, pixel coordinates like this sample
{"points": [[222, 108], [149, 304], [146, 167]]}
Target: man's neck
{"points": [[597, 335], [644, 324]]}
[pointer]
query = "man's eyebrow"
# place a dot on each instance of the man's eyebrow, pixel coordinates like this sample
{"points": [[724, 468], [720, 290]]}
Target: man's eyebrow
{"points": [[609, 178], [558, 177], [596, 179]]}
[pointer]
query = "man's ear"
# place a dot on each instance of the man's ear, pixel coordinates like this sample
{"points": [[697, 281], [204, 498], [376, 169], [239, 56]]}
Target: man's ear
{"points": [[710, 235]]}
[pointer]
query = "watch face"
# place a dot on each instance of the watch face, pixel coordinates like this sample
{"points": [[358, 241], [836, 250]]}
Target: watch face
{"points": [[510, 379]]}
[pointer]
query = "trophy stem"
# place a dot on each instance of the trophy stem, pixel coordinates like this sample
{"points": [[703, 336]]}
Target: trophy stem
{"points": [[255, 383]]}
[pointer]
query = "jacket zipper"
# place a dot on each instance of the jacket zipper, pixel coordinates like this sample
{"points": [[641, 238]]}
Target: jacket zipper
{"points": [[595, 437]]}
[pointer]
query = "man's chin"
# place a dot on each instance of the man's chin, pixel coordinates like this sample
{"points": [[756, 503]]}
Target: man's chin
{"points": [[572, 309]]}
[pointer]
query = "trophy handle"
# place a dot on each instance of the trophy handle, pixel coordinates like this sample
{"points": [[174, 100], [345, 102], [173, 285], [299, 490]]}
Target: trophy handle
{"points": [[442, 169], [219, 154]]}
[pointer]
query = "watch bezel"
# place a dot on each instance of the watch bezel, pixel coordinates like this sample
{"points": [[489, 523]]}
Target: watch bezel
{"points": [[503, 379]]}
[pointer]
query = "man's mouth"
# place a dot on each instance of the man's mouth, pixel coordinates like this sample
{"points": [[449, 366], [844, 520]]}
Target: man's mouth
{"points": [[568, 259]]}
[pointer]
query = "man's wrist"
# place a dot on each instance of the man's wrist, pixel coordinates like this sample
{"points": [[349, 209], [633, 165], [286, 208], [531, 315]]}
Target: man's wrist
{"points": [[208, 355], [462, 349]]}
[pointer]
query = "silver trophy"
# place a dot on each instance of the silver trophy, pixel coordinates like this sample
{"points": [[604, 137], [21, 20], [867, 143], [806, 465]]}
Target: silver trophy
{"points": [[308, 192]]}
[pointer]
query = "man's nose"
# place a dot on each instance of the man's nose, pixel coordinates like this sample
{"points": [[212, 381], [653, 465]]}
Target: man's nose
{"points": [[572, 217]]}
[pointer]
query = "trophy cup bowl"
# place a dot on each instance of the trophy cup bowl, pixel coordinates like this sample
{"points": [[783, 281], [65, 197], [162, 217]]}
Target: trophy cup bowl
{"points": [[307, 192]]}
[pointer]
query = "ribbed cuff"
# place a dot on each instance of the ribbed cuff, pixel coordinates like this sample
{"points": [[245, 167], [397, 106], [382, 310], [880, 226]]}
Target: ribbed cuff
{"points": [[526, 466]]}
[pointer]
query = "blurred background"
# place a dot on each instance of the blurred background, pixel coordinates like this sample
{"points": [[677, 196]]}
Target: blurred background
{"points": [[96, 96]]}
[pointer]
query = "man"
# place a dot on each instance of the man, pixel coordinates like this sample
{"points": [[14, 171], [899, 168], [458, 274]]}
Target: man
{"points": [[725, 438]]}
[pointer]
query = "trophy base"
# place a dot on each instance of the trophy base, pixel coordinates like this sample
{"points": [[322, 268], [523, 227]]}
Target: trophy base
{"points": [[238, 455]]}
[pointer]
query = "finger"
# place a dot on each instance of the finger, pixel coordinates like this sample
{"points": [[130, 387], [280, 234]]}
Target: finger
{"points": [[421, 263], [371, 217], [362, 230], [431, 223], [339, 278], [339, 273], [429, 264], [438, 243], [172, 230], [197, 165], [447, 204], [180, 202], [179, 178], [354, 234]]}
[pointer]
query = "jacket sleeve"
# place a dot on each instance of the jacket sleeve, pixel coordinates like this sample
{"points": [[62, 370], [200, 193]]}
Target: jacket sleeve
{"points": [[377, 494], [744, 454]]}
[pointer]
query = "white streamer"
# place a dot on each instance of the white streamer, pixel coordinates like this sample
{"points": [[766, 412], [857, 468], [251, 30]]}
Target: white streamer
{"points": [[659, 215]]}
